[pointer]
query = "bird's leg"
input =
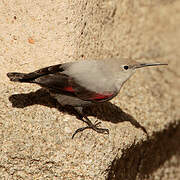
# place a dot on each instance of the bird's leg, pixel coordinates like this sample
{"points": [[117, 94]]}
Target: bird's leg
{"points": [[89, 123]]}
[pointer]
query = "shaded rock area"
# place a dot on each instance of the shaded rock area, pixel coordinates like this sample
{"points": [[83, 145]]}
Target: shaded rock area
{"points": [[143, 120]]}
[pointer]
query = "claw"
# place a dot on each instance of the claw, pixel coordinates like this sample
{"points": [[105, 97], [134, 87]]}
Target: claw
{"points": [[98, 130], [106, 131], [97, 123], [79, 130], [90, 125]]}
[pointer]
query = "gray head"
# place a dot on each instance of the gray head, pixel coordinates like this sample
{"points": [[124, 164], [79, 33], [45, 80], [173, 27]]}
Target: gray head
{"points": [[128, 68]]}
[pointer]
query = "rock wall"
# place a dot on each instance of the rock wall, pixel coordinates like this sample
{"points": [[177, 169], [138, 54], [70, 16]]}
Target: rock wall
{"points": [[35, 132]]}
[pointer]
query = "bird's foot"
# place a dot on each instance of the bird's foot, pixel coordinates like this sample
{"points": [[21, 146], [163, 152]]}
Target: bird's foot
{"points": [[91, 126]]}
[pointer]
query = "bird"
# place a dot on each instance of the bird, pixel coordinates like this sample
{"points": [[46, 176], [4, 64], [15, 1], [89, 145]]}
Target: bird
{"points": [[83, 82]]}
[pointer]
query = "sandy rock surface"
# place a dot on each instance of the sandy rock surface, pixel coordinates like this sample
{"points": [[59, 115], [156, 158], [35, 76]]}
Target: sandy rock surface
{"points": [[35, 132]]}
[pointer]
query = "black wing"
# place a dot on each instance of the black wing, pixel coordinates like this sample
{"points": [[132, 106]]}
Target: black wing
{"points": [[54, 79]]}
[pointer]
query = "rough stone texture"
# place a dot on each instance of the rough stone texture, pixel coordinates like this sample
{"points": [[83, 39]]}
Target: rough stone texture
{"points": [[35, 133]]}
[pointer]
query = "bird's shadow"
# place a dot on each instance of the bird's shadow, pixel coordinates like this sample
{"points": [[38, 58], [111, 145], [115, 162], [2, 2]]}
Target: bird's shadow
{"points": [[105, 111]]}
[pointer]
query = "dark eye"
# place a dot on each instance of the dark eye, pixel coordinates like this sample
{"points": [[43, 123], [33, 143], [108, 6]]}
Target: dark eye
{"points": [[126, 67]]}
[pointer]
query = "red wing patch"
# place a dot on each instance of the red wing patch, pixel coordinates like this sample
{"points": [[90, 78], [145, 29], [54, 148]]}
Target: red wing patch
{"points": [[69, 89], [101, 96]]}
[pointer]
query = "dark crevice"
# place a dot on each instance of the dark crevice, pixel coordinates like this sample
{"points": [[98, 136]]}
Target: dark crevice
{"points": [[146, 157]]}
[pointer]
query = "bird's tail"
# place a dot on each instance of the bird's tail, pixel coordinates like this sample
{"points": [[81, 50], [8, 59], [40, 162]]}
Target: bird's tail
{"points": [[20, 77], [32, 76]]}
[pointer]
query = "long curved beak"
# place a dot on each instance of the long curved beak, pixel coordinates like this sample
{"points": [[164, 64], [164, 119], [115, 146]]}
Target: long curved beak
{"points": [[140, 65]]}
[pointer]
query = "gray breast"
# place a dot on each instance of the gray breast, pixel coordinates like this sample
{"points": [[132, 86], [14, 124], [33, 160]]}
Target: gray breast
{"points": [[95, 75]]}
